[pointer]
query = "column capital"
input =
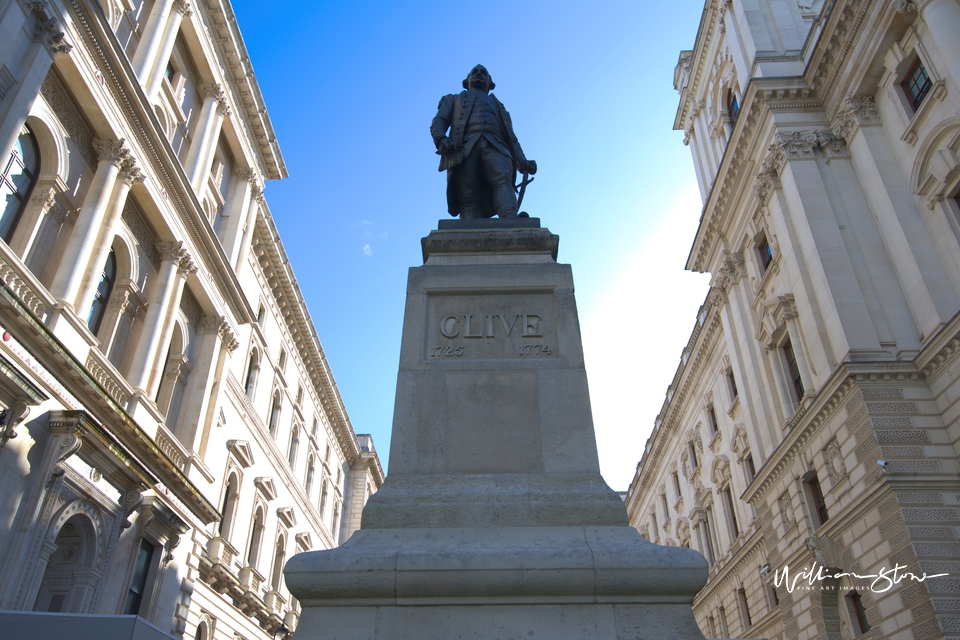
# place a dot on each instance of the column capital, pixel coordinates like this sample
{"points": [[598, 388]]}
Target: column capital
{"points": [[187, 266], [110, 150], [906, 6], [48, 32], [130, 173], [856, 112], [832, 145], [212, 90], [183, 7], [171, 251], [797, 145], [246, 173]]}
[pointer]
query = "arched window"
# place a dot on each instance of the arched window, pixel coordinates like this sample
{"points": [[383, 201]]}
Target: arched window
{"points": [[102, 295], [278, 557], [19, 174], [308, 485], [230, 497], [256, 538], [202, 631], [274, 414], [733, 107], [253, 370], [294, 445]]}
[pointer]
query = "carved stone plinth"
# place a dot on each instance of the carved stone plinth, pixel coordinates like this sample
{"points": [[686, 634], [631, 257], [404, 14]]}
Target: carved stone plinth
{"points": [[494, 521]]}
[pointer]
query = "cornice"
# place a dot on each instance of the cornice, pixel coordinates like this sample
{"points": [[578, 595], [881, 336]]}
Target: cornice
{"points": [[301, 331], [125, 90], [751, 547], [699, 62], [940, 349], [220, 23], [668, 419], [130, 439], [801, 428]]}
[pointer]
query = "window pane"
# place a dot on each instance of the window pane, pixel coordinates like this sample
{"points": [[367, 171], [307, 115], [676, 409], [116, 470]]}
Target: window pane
{"points": [[27, 150], [10, 203]]}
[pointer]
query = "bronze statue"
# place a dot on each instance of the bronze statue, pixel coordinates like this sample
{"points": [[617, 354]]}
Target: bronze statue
{"points": [[481, 155]]}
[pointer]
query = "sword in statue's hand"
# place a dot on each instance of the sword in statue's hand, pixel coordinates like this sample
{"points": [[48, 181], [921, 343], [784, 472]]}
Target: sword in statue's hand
{"points": [[522, 187]]}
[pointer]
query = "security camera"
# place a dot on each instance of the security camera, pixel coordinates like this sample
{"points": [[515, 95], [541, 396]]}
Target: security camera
{"points": [[765, 569], [883, 464]]}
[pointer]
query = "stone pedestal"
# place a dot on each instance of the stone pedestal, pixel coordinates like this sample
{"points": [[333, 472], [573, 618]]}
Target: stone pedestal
{"points": [[494, 521]]}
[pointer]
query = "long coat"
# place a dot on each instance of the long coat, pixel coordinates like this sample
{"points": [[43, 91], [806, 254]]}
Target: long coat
{"points": [[453, 113]]}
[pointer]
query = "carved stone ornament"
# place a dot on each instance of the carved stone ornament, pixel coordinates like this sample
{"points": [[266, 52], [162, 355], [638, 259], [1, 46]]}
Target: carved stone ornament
{"points": [[113, 151], [813, 544], [798, 144], [834, 457], [855, 113], [684, 466], [130, 502], [906, 6], [832, 145], [786, 510], [171, 251], [183, 7], [130, 173], [10, 418]]}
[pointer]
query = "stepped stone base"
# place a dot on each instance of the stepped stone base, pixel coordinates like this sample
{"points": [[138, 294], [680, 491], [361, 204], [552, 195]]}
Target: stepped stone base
{"points": [[494, 522]]}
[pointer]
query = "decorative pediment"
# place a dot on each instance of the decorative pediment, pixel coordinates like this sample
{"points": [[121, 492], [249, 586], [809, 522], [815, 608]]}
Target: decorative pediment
{"points": [[266, 487], [720, 472], [241, 451], [740, 442], [287, 516], [303, 540]]}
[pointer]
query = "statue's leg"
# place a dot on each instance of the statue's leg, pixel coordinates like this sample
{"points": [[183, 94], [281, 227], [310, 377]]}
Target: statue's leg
{"points": [[498, 169], [468, 180]]}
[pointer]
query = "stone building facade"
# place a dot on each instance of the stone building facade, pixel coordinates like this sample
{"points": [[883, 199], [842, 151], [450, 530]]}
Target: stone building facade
{"points": [[813, 420], [171, 430]]}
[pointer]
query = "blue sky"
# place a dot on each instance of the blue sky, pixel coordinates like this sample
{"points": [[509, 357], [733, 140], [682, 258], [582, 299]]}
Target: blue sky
{"points": [[351, 88]]}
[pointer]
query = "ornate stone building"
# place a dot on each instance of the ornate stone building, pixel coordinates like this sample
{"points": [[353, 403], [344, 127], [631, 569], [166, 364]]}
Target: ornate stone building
{"points": [[813, 420], [171, 431]]}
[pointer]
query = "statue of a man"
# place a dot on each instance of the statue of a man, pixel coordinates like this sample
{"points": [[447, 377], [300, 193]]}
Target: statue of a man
{"points": [[481, 155]]}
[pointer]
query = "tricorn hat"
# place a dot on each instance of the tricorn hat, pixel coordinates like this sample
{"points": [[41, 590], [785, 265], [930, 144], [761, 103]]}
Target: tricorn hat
{"points": [[466, 81]]}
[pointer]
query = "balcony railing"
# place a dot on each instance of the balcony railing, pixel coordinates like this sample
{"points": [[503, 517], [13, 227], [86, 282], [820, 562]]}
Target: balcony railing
{"points": [[24, 284]]}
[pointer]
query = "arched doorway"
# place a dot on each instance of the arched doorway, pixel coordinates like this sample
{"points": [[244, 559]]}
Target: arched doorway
{"points": [[72, 572]]}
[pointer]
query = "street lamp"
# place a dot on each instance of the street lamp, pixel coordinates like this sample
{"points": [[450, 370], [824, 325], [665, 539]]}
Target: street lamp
{"points": [[282, 633]]}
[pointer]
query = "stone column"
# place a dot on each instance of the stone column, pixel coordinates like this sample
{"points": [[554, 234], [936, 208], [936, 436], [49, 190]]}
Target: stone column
{"points": [[141, 366], [70, 273], [237, 211], [186, 268], [129, 175], [831, 283], [212, 113], [215, 331], [152, 37], [33, 68], [250, 226], [181, 10], [922, 277]]}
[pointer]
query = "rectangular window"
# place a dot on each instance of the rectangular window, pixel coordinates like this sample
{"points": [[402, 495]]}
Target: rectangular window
{"points": [[793, 370], [734, 392], [744, 608], [666, 509], [774, 599], [858, 615], [766, 255], [816, 496], [138, 584], [712, 418], [728, 499], [751, 469], [916, 85], [693, 456], [676, 483]]}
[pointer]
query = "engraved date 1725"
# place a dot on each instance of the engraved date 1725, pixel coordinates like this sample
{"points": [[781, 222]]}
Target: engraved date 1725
{"points": [[446, 352]]}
